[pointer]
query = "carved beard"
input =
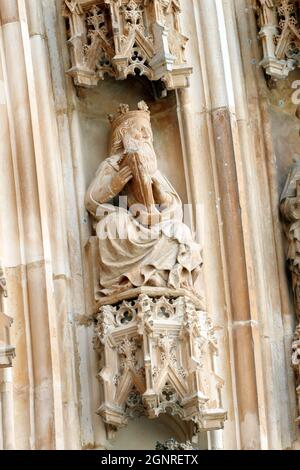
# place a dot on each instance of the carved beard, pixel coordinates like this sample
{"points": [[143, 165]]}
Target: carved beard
{"points": [[146, 152]]}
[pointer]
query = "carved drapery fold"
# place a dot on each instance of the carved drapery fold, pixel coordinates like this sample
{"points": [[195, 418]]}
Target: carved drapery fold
{"points": [[7, 352], [279, 26], [119, 38]]}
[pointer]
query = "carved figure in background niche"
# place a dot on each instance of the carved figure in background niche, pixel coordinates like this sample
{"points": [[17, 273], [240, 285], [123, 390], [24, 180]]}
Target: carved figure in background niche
{"points": [[142, 241], [290, 209]]}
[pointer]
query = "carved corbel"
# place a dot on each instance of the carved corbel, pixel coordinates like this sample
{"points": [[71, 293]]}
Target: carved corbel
{"points": [[156, 357], [279, 31]]}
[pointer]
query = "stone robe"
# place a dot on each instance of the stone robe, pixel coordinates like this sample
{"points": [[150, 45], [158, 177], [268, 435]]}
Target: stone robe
{"points": [[133, 254]]}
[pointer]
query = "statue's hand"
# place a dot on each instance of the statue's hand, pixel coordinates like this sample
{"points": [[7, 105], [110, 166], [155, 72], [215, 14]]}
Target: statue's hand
{"points": [[160, 196], [120, 180]]}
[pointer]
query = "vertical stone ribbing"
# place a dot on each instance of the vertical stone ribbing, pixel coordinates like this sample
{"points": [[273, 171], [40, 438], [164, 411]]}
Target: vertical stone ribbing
{"points": [[227, 156], [39, 186]]}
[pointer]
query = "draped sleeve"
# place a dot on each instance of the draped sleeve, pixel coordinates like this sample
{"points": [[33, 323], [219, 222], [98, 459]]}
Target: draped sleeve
{"points": [[99, 193]]}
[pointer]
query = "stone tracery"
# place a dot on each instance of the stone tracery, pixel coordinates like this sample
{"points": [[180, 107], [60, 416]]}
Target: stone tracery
{"points": [[280, 35], [154, 365], [126, 37]]}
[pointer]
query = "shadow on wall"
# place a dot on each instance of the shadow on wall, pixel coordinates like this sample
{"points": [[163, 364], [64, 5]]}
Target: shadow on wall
{"points": [[143, 433]]}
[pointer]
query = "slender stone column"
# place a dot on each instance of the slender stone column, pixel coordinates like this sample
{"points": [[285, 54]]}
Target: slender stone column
{"points": [[13, 257], [7, 415], [204, 192], [92, 432], [265, 256], [33, 246], [216, 440], [283, 312], [227, 155], [57, 216], [35, 196]]}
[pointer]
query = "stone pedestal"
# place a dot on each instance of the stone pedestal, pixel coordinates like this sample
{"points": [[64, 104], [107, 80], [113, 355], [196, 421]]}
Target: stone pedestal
{"points": [[157, 356]]}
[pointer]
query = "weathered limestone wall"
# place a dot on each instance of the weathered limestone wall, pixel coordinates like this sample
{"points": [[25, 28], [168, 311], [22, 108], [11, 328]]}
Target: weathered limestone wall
{"points": [[274, 314], [34, 243], [285, 125], [285, 138], [225, 144]]}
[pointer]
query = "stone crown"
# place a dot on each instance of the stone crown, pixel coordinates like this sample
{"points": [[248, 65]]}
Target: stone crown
{"points": [[124, 113]]}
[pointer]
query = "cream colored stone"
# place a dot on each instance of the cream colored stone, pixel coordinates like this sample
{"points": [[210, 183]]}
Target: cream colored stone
{"points": [[156, 250], [122, 38], [290, 211], [143, 231], [157, 356], [225, 143], [279, 33]]}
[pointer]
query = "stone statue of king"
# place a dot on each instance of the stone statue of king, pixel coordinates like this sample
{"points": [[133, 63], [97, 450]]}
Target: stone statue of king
{"points": [[138, 214]]}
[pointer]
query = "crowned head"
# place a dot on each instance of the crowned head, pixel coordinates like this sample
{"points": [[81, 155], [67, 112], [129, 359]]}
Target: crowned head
{"points": [[130, 128]]}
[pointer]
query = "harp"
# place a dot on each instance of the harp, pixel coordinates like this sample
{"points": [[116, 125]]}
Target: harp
{"points": [[140, 186]]}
